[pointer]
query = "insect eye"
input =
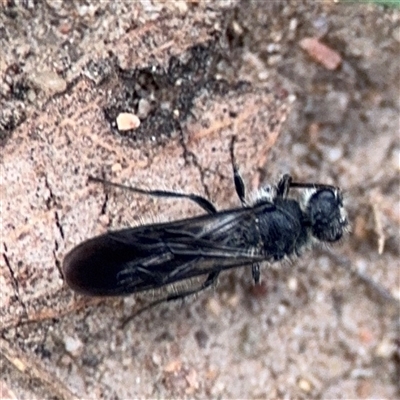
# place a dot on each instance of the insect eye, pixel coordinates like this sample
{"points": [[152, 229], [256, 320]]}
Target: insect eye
{"points": [[324, 210]]}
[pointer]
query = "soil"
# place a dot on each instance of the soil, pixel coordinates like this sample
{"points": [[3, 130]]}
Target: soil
{"points": [[308, 88]]}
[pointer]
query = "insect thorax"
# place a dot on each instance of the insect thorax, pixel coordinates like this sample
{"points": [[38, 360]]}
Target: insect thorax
{"points": [[282, 230]]}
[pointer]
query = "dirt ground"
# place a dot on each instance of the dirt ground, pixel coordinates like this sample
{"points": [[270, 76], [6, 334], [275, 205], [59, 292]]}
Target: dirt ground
{"points": [[325, 325]]}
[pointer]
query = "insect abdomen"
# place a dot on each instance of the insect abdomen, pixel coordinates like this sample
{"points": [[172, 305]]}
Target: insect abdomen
{"points": [[92, 267]]}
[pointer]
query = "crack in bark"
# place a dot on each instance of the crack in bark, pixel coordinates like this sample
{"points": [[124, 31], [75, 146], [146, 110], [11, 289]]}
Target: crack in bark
{"points": [[13, 278], [50, 204], [59, 226], [14, 283], [103, 210]]}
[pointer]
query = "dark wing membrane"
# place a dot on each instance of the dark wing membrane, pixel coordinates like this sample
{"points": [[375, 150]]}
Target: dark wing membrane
{"points": [[151, 256]]}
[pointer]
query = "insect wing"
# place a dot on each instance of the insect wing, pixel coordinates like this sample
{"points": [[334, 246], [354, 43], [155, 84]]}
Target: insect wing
{"points": [[151, 256]]}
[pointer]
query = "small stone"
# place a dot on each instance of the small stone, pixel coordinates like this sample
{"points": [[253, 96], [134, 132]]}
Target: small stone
{"points": [[321, 53], [72, 345], [144, 108], [117, 167], [127, 121], [304, 385], [48, 81]]}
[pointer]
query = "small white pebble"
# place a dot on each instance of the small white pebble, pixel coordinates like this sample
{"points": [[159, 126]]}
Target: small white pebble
{"points": [[385, 348], [292, 284], [156, 358], [127, 121], [334, 154], [73, 345], [304, 385], [116, 167]]}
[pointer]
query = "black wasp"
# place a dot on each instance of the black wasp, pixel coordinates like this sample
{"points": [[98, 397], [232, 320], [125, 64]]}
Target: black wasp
{"points": [[152, 256]]}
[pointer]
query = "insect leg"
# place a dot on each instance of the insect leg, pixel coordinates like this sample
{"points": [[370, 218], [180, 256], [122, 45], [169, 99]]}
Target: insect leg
{"points": [[199, 200], [241, 192], [211, 278], [283, 186], [239, 184], [255, 271]]}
